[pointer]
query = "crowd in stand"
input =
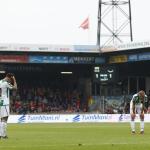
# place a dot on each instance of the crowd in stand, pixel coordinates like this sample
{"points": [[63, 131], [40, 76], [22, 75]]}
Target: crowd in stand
{"points": [[45, 98], [42, 99]]}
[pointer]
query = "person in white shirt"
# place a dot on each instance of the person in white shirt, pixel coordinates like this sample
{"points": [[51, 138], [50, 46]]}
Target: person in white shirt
{"points": [[137, 105], [6, 84]]}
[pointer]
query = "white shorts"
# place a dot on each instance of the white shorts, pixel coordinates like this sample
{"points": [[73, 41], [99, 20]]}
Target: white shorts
{"points": [[4, 111], [138, 108]]}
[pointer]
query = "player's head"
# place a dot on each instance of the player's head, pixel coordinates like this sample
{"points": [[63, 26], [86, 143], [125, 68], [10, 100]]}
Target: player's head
{"points": [[141, 94], [9, 77]]}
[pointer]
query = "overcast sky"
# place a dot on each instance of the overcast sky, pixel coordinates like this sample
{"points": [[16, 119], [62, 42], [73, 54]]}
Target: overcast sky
{"points": [[58, 21]]}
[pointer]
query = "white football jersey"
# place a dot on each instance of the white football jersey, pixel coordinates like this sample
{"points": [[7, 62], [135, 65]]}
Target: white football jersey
{"points": [[5, 91]]}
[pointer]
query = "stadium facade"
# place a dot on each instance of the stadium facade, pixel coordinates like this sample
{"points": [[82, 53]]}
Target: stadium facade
{"points": [[111, 71]]}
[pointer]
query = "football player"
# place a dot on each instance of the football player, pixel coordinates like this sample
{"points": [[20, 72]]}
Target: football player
{"points": [[137, 105], [6, 84]]}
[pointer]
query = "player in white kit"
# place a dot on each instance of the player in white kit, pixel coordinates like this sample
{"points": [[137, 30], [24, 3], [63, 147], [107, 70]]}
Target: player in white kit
{"points": [[6, 84], [137, 105]]}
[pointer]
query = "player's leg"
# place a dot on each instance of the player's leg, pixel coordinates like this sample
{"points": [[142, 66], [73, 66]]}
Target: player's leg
{"points": [[133, 115], [4, 118], [0, 124], [4, 127]]}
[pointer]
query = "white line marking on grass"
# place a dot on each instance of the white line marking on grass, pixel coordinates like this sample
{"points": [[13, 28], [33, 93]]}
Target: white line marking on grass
{"points": [[77, 144]]}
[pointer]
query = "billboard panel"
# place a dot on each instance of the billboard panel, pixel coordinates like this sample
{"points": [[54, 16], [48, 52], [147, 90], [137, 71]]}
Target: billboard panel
{"points": [[48, 59], [14, 58], [73, 118]]}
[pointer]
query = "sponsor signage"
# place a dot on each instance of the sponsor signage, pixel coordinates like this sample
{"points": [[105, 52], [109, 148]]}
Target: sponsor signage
{"points": [[144, 56], [134, 45], [87, 60], [14, 58], [87, 48], [48, 59], [133, 57], [32, 48], [4, 47], [66, 59], [68, 118], [139, 57], [49, 48], [118, 59], [126, 46], [43, 48], [82, 60]]}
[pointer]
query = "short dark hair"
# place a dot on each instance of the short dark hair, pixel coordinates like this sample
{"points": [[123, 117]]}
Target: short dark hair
{"points": [[9, 75]]}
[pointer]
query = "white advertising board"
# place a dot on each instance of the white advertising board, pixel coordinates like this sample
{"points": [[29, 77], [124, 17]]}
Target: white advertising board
{"points": [[70, 118]]}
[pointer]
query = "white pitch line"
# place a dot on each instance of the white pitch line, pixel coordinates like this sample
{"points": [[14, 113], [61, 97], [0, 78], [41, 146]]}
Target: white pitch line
{"points": [[79, 144]]}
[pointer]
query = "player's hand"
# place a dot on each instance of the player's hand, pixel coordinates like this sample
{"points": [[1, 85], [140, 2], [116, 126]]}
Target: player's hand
{"points": [[133, 115], [13, 80], [13, 77], [145, 110]]}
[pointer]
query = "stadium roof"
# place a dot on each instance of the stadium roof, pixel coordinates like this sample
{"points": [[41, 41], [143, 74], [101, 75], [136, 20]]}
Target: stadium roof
{"points": [[73, 48]]}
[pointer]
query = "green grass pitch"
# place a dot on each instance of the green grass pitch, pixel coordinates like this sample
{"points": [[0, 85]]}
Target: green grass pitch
{"points": [[75, 136]]}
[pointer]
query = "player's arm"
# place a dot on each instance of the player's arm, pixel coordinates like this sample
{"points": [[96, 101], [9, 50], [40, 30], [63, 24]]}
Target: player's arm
{"points": [[12, 84], [145, 104], [15, 83], [133, 106], [132, 109]]}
